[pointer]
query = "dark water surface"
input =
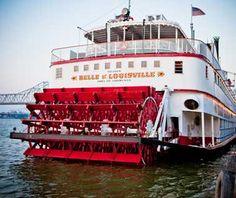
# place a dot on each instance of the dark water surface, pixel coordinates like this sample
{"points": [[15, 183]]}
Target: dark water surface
{"points": [[30, 177]]}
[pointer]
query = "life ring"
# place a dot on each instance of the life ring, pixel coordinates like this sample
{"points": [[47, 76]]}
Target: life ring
{"points": [[225, 185], [123, 46]]}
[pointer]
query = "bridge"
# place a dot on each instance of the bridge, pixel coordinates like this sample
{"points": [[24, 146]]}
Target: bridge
{"points": [[26, 96]]}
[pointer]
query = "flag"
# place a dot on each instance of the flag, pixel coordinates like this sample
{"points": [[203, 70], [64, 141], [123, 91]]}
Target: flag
{"points": [[197, 12]]}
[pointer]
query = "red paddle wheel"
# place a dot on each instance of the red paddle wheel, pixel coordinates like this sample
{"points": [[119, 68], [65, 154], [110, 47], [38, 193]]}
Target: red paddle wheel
{"points": [[93, 124]]}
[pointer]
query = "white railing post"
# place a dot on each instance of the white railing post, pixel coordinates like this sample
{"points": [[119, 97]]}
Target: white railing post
{"points": [[108, 48], [95, 51], [150, 45], [212, 131], [177, 43], [156, 46], [115, 48], [203, 130]]}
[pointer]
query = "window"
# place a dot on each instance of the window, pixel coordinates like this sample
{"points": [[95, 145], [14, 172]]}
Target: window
{"points": [[206, 72], [156, 63], [175, 123], [107, 65], [130, 64], [86, 67], [96, 66], [143, 63], [215, 77], [76, 68], [118, 65], [178, 67], [58, 73]]}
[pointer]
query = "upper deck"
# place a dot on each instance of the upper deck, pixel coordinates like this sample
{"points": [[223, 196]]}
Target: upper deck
{"points": [[136, 30], [132, 37]]}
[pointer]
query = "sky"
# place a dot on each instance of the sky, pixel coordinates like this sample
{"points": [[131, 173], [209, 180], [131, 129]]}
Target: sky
{"points": [[30, 29]]}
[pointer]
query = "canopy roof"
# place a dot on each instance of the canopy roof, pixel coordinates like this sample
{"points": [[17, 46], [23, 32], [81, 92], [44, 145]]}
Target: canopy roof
{"points": [[133, 30]]}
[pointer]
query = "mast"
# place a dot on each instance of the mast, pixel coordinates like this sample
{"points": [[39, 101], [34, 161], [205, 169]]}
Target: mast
{"points": [[191, 24], [129, 5]]}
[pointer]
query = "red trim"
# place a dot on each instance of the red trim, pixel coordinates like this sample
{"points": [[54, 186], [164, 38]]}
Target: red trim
{"points": [[205, 93], [186, 140], [130, 56]]}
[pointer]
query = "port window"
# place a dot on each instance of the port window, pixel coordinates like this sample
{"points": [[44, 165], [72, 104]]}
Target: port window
{"points": [[86, 67], [143, 63], [130, 64], [58, 73], [107, 65], [178, 67], [118, 65], [76, 68], [96, 66], [156, 63], [206, 72]]}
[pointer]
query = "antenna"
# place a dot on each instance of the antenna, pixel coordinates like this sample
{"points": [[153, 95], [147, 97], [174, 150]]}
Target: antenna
{"points": [[129, 5]]}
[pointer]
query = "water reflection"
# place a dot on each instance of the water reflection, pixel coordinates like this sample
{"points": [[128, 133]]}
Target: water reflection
{"points": [[48, 177], [58, 178]]}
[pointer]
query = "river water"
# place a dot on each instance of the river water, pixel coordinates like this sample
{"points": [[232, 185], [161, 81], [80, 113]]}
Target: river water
{"points": [[31, 177]]}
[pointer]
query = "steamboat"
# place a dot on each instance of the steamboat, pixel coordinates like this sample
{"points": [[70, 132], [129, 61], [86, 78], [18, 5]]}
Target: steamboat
{"points": [[135, 89]]}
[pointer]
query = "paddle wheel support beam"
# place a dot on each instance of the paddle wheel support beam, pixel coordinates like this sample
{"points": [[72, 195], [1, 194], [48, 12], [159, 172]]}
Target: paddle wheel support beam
{"points": [[161, 116]]}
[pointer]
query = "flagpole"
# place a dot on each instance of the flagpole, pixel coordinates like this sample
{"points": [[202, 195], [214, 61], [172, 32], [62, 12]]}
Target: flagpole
{"points": [[191, 24]]}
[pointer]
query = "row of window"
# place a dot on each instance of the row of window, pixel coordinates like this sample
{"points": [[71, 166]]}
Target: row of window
{"points": [[178, 69], [224, 124], [58, 72], [223, 112], [218, 80], [96, 66], [156, 63]]}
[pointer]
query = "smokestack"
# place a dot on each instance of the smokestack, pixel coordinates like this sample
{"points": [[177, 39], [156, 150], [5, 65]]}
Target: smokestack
{"points": [[216, 42]]}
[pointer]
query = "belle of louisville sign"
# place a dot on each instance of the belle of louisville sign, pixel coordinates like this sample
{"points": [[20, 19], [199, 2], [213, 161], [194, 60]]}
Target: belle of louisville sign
{"points": [[129, 75]]}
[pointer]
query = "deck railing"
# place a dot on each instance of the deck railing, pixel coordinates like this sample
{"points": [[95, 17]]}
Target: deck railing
{"points": [[134, 47]]}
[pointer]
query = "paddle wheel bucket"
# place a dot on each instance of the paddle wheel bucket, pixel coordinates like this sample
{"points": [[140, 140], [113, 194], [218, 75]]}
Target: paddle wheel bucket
{"points": [[92, 124]]}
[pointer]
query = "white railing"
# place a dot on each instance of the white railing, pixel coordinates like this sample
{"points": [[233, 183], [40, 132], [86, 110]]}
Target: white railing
{"points": [[134, 47]]}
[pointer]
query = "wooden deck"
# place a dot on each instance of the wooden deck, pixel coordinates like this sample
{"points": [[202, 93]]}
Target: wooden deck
{"points": [[55, 137]]}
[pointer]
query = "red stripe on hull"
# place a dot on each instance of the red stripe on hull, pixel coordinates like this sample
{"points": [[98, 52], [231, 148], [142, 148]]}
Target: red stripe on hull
{"points": [[185, 140]]}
